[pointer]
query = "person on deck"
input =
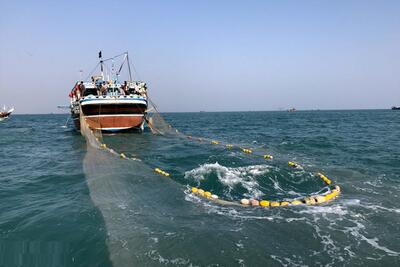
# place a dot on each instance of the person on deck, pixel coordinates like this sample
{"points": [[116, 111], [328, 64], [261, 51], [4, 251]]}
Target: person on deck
{"points": [[142, 89], [103, 88], [82, 89], [124, 89], [75, 92]]}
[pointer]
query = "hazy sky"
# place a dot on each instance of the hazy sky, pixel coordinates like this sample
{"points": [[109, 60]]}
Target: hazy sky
{"points": [[207, 55]]}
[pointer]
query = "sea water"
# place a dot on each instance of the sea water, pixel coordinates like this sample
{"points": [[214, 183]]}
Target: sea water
{"points": [[63, 203]]}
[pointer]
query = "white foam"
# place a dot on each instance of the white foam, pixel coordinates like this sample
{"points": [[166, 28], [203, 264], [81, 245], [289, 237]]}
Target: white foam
{"points": [[245, 176], [376, 207], [356, 232], [336, 209], [285, 261], [122, 206], [156, 256]]}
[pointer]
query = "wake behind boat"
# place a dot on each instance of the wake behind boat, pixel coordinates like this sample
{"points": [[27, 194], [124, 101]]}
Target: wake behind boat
{"points": [[106, 103], [5, 113]]}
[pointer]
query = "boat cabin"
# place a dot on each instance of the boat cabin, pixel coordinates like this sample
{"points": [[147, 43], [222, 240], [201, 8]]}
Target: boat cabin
{"points": [[108, 88]]}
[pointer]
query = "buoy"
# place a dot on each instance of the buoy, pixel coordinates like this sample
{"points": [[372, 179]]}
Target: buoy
{"points": [[329, 196], [229, 146], [334, 193], [122, 155], [293, 164], [158, 170], [207, 194], [248, 151], [214, 196], [194, 190], [254, 202], [214, 142], [268, 156], [245, 201], [284, 203], [323, 177], [296, 202], [200, 192], [264, 203], [320, 199], [309, 200], [274, 204]]}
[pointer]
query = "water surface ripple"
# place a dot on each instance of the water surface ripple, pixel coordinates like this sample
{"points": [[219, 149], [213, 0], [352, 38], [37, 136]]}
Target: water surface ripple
{"points": [[63, 204]]}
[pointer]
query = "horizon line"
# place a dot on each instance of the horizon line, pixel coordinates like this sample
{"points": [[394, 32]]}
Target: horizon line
{"points": [[228, 111]]}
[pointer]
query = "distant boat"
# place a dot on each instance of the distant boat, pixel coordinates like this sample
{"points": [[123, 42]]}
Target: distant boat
{"points": [[291, 110], [5, 113], [396, 108]]}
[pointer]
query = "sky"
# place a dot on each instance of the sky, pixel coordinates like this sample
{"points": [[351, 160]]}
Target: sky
{"points": [[207, 55]]}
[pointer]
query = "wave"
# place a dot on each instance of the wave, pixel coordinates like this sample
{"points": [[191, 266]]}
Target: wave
{"points": [[231, 176]]}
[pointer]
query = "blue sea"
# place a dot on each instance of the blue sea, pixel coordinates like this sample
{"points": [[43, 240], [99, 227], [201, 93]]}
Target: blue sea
{"points": [[64, 203]]}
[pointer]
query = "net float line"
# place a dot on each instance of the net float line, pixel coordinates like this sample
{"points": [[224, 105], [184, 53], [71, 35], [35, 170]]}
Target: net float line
{"points": [[316, 199], [308, 200]]}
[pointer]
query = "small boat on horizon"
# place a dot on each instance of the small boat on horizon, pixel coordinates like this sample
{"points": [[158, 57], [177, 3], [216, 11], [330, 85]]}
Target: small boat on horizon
{"points": [[396, 108], [108, 104], [5, 113]]}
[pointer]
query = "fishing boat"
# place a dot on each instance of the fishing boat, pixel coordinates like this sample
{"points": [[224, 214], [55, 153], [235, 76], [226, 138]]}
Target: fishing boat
{"points": [[107, 103], [5, 113], [396, 108]]}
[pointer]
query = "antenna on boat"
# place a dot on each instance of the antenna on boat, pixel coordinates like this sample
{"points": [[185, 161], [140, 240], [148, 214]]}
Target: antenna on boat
{"points": [[101, 64], [112, 69]]}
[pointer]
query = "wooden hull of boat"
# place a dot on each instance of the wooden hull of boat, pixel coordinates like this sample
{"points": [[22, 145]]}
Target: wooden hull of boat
{"points": [[111, 114], [112, 123], [115, 122]]}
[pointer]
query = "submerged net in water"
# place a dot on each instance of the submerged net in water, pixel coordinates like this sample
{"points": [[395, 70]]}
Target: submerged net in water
{"points": [[120, 189]]}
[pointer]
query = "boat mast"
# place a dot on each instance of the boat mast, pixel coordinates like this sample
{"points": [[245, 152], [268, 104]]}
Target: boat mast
{"points": [[120, 67], [129, 66], [101, 65]]}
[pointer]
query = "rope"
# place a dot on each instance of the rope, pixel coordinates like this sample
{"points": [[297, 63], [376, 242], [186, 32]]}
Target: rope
{"points": [[90, 74]]}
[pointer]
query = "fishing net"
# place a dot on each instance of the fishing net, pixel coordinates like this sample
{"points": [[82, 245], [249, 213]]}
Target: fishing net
{"points": [[93, 136], [157, 124], [128, 194]]}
